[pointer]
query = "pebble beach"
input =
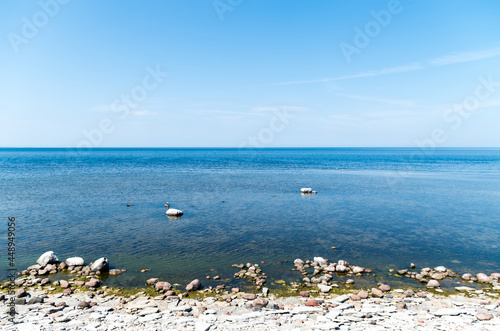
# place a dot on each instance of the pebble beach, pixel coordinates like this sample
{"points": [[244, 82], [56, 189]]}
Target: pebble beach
{"points": [[81, 301], [395, 310]]}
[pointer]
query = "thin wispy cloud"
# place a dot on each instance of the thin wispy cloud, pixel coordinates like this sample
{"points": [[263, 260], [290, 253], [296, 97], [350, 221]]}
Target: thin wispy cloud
{"points": [[278, 108], [439, 61], [371, 73], [403, 103], [237, 113], [374, 116], [385, 71], [298, 82], [122, 108], [142, 112], [465, 57]]}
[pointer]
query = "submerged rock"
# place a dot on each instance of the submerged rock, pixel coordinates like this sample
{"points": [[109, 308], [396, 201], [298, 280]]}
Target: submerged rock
{"points": [[115, 272], [46, 258]]}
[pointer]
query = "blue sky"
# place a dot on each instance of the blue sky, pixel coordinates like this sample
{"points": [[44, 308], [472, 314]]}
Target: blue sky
{"points": [[258, 73]]}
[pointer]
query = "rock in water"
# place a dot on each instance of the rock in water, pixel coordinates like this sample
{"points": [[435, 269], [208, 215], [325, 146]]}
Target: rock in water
{"points": [[306, 190], [432, 283], [195, 285], [74, 261], [174, 212], [47, 258], [298, 262], [321, 261], [152, 281], [115, 272], [101, 264], [483, 278]]}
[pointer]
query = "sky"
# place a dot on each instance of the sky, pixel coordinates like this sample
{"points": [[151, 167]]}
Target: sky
{"points": [[249, 73]]}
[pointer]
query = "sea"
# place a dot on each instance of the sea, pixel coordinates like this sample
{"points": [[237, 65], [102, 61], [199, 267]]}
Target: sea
{"points": [[379, 208]]}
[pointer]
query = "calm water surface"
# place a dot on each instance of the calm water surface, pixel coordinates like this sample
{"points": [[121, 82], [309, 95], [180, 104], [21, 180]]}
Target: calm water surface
{"points": [[382, 208]]}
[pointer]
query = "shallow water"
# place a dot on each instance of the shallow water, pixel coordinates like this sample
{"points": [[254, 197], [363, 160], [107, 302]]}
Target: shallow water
{"points": [[382, 208]]}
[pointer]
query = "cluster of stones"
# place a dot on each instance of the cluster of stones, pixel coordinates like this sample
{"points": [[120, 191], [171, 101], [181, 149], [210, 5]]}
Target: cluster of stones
{"points": [[432, 277], [166, 288], [48, 263], [323, 272], [252, 272]]}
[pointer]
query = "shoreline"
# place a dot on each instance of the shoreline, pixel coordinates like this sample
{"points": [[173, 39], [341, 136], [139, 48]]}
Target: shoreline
{"points": [[82, 302], [103, 308]]}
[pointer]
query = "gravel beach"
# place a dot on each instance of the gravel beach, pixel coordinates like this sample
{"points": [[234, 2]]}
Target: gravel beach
{"points": [[396, 310]]}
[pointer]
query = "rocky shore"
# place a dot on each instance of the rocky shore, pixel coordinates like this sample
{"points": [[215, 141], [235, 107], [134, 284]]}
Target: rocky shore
{"points": [[359, 310], [35, 301]]}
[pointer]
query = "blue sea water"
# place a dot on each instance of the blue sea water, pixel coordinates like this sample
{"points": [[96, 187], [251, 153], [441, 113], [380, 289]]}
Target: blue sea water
{"points": [[381, 207]]}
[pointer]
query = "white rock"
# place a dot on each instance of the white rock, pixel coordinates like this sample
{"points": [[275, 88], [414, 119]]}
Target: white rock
{"points": [[100, 264], [342, 298], [202, 326], [464, 289], [341, 268], [306, 190], [75, 261], [148, 311], [321, 261], [46, 258], [449, 312], [432, 283], [440, 269], [324, 288], [298, 262], [149, 318], [305, 309], [358, 270], [174, 212]]}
